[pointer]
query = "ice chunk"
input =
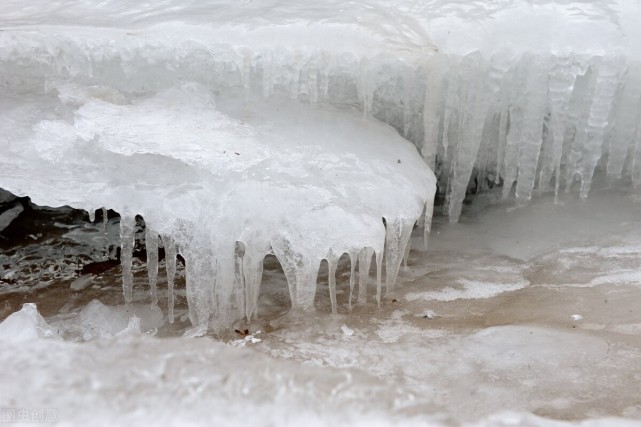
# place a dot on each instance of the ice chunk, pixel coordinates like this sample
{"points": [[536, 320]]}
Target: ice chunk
{"points": [[133, 327], [25, 325], [97, 320], [347, 331]]}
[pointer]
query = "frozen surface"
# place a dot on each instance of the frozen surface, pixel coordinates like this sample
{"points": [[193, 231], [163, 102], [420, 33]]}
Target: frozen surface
{"points": [[546, 353], [245, 129]]}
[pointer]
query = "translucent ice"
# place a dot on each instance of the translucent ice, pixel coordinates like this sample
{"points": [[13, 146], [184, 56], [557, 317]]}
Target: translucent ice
{"points": [[25, 325], [307, 184]]}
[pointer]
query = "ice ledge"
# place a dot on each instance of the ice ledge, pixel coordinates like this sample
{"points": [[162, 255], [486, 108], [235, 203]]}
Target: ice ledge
{"points": [[223, 182]]}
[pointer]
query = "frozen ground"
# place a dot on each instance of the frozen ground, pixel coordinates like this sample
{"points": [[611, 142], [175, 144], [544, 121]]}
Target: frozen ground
{"points": [[513, 317]]}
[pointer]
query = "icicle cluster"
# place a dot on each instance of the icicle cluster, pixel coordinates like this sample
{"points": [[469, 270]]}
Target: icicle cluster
{"points": [[535, 122], [538, 121]]}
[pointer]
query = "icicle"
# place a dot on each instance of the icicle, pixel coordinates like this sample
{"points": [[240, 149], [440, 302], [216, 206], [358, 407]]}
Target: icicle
{"points": [[127, 235], [92, 215], [474, 99], [636, 160], [436, 70], [312, 84], [268, 74], [324, 75], [253, 276], [455, 107], [607, 83], [627, 120], [222, 295], [300, 271], [561, 84], [397, 236], [531, 136], [511, 151], [365, 89], [151, 243], [170, 265], [379, 276], [408, 96], [294, 83], [246, 71], [105, 219], [427, 217], [239, 279], [353, 259], [578, 113], [201, 274], [451, 103], [406, 253], [513, 137], [546, 157], [503, 122], [332, 264], [364, 263]]}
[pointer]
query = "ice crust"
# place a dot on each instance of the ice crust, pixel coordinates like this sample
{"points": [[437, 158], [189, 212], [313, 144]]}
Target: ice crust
{"points": [[108, 105]]}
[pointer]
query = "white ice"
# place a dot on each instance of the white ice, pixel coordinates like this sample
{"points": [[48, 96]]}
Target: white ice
{"points": [[305, 183], [240, 129], [486, 96]]}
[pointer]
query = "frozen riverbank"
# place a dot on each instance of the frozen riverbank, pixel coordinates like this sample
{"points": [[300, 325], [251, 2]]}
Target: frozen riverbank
{"points": [[540, 319]]}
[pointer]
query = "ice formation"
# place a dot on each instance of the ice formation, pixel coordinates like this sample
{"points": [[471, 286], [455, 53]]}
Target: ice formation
{"points": [[105, 105], [25, 325], [222, 189]]}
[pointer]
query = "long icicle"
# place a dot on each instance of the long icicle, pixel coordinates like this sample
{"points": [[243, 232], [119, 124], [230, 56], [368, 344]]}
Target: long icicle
{"points": [[127, 233], [170, 265], [364, 264], [332, 264], [379, 276], [353, 259], [151, 242]]}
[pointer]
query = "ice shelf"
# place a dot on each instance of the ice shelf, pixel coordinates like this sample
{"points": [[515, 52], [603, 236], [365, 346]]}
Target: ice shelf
{"points": [[223, 189]]}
